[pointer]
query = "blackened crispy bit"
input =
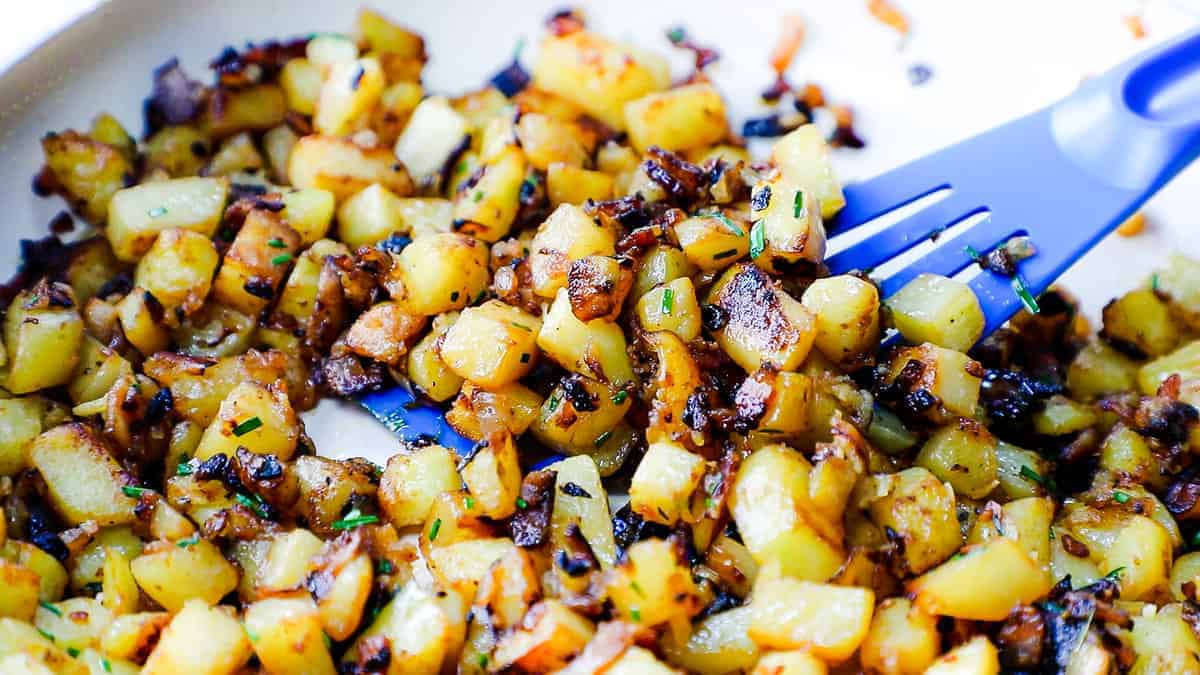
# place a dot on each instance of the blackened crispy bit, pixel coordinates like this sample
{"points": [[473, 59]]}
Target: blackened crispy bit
{"points": [[1022, 639], [1183, 497], [1010, 398], [576, 392], [1165, 419], [258, 63], [175, 99], [680, 178], [565, 21], [629, 528], [348, 375], [752, 399], [530, 525]]}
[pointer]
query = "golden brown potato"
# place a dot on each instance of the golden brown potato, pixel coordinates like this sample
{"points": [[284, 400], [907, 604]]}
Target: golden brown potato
{"points": [[89, 171], [43, 333], [83, 480], [764, 325], [224, 649], [256, 263], [343, 168]]}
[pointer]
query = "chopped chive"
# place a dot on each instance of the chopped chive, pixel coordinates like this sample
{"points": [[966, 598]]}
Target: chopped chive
{"points": [[1026, 297], [385, 567], [479, 298], [1028, 473], [470, 502], [354, 519], [725, 254], [478, 196], [668, 301], [635, 614], [1115, 575], [433, 531], [461, 168], [798, 204], [131, 491], [1120, 497], [250, 634], [254, 505], [184, 469], [958, 555], [637, 588], [1154, 282], [522, 504], [73, 652], [46, 635], [709, 503], [282, 259], [157, 212], [50, 608], [276, 243], [326, 639], [758, 240], [972, 252], [522, 326], [602, 438], [483, 660], [732, 226], [104, 663], [676, 35], [554, 401], [190, 541], [619, 397], [247, 426]]}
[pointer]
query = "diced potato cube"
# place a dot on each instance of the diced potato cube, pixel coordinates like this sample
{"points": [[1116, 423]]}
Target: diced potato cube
{"points": [[341, 606], [121, 593], [1184, 361], [975, 657], [963, 455], [494, 477], [381, 34], [426, 369], [562, 426], [256, 263], [424, 217], [920, 509], [411, 482], [131, 636], [1140, 324], [671, 307], [442, 272], [712, 242], [788, 407], [589, 512], [512, 407], [83, 480], [462, 565], [419, 630], [1060, 416], [663, 483], [1099, 369], [567, 184], [983, 585], [803, 157], [143, 321], [21, 586], [309, 212], [433, 135], [396, 104], [770, 504], [661, 265], [277, 146], [487, 208], [548, 638], [343, 168], [383, 332], [136, 215], [171, 575], [76, 623], [237, 154], [24, 651], [650, 585], [178, 269], [937, 309], [43, 333], [546, 140], [951, 377], [179, 151], [797, 662], [258, 418], [598, 75], [788, 230], [255, 108], [89, 171], [1140, 558], [287, 560], [595, 349], [902, 639], [369, 217], [224, 647], [679, 119], [493, 344], [567, 235], [717, 645], [288, 636], [1179, 284], [20, 424], [764, 324], [347, 94], [847, 312], [829, 621]]}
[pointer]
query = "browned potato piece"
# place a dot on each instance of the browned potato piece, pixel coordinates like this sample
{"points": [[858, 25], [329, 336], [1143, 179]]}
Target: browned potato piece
{"points": [[172, 575], [257, 108], [343, 168], [763, 323], [492, 345], [548, 638], [253, 416], [43, 333], [89, 171], [384, 332], [83, 480], [597, 286], [257, 263], [178, 269], [224, 647], [411, 482]]}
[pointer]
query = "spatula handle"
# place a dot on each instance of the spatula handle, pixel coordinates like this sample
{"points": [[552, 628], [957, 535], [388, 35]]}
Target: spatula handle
{"points": [[1137, 125]]}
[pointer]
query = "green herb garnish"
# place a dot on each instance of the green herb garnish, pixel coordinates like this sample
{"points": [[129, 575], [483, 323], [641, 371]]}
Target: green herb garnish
{"points": [[758, 240], [433, 531], [483, 660], [602, 438], [1154, 282], [247, 426], [522, 326], [385, 567], [255, 504], [469, 502], [135, 492], [478, 196], [522, 504], [1026, 297], [637, 588], [104, 663], [972, 252], [46, 635], [276, 243], [798, 204], [1027, 472], [157, 212], [668, 301], [282, 259], [732, 226], [50, 608], [725, 254], [73, 652], [250, 634], [1115, 575], [185, 469], [354, 519], [1120, 497], [619, 397], [190, 541], [553, 403], [635, 614]]}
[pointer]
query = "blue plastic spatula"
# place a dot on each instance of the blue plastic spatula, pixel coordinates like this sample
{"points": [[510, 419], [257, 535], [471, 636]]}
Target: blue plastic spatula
{"points": [[1065, 176]]}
